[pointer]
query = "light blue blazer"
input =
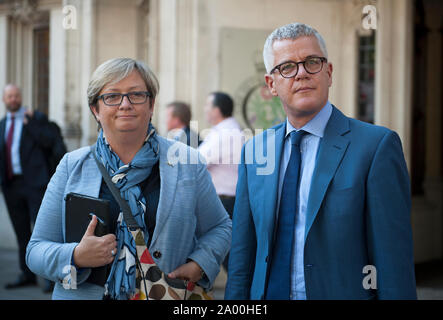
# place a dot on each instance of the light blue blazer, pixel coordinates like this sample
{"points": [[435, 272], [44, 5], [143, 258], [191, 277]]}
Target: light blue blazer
{"points": [[358, 215], [191, 220]]}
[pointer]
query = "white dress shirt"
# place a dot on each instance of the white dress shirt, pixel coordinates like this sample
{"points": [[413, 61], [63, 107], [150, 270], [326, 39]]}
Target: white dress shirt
{"points": [[15, 148], [222, 151]]}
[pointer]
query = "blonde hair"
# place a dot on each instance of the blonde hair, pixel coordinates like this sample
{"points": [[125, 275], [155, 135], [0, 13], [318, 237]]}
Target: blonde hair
{"points": [[114, 70]]}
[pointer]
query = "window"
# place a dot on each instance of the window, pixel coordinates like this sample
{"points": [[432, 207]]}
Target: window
{"points": [[41, 69], [366, 76]]}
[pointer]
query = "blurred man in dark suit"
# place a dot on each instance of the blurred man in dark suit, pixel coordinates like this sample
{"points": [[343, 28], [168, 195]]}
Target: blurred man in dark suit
{"points": [[27, 139]]}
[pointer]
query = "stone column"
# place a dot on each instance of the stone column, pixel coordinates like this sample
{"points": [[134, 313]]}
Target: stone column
{"points": [[57, 67], [7, 236], [87, 67], [167, 59], [80, 129], [4, 30], [393, 72]]}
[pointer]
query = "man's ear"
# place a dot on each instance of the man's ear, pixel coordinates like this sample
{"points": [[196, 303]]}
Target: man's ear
{"points": [[329, 74], [269, 79]]}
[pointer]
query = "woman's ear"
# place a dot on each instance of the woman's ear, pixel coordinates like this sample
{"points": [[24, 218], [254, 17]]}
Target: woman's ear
{"points": [[94, 110], [151, 105]]}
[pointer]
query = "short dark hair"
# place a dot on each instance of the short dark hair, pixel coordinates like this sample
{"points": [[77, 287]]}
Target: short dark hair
{"points": [[224, 102], [182, 111]]}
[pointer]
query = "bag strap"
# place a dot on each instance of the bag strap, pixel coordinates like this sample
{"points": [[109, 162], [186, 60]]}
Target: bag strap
{"points": [[127, 214]]}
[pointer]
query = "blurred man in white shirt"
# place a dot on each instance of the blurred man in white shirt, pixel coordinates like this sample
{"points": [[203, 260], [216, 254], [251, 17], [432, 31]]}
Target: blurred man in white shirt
{"points": [[222, 148]]}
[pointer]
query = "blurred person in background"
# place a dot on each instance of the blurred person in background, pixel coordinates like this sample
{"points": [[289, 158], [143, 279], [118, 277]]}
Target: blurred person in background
{"points": [[221, 148], [178, 118], [27, 148]]}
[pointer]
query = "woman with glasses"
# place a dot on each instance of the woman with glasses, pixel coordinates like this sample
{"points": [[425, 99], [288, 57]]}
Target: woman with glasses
{"points": [[185, 227]]}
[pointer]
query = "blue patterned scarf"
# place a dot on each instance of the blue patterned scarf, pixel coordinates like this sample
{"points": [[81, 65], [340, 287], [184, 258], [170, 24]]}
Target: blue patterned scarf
{"points": [[120, 284]]}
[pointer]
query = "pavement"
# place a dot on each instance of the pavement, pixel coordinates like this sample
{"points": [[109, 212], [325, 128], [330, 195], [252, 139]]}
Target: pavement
{"points": [[9, 270], [429, 278]]}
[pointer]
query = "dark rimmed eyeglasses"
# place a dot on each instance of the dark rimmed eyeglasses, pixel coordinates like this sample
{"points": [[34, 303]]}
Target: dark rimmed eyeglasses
{"points": [[289, 69], [115, 99]]}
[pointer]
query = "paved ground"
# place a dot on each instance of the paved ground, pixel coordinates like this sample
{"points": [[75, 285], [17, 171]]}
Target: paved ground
{"points": [[429, 281], [8, 272], [429, 277]]}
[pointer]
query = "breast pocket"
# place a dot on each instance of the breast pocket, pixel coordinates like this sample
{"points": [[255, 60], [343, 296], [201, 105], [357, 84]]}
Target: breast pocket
{"points": [[343, 202]]}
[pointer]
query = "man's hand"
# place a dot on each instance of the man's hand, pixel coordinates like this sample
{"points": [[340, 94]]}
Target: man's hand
{"points": [[190, 271], [94, 251], [28, 116]]}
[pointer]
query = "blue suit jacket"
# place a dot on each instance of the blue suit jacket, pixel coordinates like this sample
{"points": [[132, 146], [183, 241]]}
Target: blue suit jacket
{"points": [[191, 221], [358, 214]]}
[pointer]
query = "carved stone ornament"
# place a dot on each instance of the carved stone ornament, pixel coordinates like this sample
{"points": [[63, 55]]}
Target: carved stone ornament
{"points": [[25, 11]]}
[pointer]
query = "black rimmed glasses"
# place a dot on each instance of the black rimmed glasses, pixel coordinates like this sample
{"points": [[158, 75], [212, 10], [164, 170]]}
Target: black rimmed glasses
{"points": [[115, 99], [289, 69]]}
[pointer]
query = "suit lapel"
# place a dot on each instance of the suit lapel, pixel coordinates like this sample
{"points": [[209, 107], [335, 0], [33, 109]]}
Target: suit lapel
{"points": [[331, 151], [91, 182], [2, 133], [168, 186], [270, 181]]}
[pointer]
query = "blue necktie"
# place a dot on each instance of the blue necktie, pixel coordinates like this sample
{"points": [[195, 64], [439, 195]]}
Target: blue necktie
{"points": [[279, 283]]}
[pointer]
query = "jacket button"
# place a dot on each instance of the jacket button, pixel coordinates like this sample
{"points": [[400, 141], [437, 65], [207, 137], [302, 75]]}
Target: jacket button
{"points": [[157, 254]]}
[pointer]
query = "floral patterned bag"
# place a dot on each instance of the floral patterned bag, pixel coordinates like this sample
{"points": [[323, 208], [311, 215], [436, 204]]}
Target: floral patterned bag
{"points": [[153, 284]]}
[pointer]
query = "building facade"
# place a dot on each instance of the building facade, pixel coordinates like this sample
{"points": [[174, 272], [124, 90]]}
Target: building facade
{"points": [[386, 55]]}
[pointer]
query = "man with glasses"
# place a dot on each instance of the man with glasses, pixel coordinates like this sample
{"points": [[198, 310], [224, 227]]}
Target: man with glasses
{"points": [[332, 221]]}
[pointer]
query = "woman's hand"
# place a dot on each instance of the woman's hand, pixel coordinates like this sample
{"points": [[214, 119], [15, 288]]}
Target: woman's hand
{"points": [[190, 271], [94, 251]]}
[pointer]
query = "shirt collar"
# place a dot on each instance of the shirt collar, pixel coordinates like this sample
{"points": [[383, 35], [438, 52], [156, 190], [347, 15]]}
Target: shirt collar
{"points": [[222, 124], [316, 125], [19, 114]]}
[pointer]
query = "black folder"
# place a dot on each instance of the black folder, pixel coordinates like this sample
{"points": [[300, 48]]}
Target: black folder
{"points": [[78, 214]]}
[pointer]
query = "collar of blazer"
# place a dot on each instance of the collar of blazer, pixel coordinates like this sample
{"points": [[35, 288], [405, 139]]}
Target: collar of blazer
{"points": [[331, 150], [168, 186], [168, 183]]}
